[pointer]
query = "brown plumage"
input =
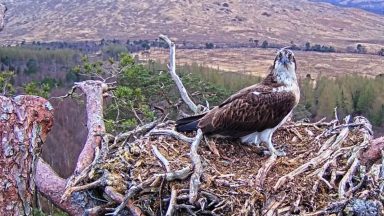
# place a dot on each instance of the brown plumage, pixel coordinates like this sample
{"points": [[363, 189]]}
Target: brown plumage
{"points": [[248, 112], [255, 112]]}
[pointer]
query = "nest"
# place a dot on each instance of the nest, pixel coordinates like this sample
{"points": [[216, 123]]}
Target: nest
{"points": [[153, 170]]}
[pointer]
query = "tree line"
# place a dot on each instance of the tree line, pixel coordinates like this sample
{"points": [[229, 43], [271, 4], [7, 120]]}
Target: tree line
{"points": [[350, 94], [138, 45]]}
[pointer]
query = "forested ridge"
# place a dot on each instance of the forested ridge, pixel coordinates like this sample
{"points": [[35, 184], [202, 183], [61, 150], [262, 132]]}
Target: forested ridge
{"points": [[40, 70]]}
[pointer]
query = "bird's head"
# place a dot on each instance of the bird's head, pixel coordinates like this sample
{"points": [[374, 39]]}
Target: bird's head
{"points": [[285, 59], [284, 67]]}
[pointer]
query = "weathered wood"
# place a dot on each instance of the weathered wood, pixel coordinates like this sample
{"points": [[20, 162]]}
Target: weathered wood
{"points": [[172, 71], [24, 124]]}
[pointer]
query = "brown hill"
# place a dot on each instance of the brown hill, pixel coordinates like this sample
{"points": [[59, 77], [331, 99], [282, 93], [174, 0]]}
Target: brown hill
{"points": [[192, 20], [257, 61], [376, 6]]}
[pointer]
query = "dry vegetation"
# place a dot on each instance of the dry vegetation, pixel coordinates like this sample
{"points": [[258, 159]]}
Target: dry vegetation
{"points": [[193, 20], [154, 170], [321, 172], [257, 61]]}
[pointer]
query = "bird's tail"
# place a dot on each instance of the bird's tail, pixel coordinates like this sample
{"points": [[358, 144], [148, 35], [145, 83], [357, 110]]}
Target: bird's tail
{"points": [[188, 124]]}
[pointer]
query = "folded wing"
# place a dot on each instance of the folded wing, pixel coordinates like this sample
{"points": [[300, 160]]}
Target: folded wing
{"points": [[255, 108]]}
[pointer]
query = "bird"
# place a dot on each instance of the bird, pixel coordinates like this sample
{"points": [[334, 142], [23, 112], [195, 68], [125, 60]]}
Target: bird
{"points": [[254, 113]]}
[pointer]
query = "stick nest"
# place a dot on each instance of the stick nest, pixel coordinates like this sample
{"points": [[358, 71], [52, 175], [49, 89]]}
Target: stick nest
{"points": [[148, 171]]}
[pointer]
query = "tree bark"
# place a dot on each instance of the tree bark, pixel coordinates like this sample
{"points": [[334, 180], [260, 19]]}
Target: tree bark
{"points": [[3, 9], [24, 124]]}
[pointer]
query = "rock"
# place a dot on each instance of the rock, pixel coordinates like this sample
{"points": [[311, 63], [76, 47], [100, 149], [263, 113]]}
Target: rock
{"points": [[359, 207]]}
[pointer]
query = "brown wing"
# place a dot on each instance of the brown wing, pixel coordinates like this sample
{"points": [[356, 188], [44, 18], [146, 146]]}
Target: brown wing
{"points": [[247, 112], [242, 93]]}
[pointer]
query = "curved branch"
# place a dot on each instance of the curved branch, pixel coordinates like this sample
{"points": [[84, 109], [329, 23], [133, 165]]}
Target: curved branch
{"points": [[172, 70], [93, 90], [52, 186]]}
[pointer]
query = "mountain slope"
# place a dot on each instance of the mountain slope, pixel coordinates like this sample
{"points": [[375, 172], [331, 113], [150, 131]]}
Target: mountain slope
{"points": [[191, 20], [375, 6]]}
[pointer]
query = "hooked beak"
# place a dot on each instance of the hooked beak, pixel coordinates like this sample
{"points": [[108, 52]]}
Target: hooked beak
{"points": [[284, 60]]}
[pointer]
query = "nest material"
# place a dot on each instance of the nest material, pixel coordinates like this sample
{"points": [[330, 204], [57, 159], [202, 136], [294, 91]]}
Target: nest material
{"points": [[152, 167]]}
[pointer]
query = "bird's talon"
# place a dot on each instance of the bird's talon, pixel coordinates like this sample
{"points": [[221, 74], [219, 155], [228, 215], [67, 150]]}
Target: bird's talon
{"points": [[279, 153]]}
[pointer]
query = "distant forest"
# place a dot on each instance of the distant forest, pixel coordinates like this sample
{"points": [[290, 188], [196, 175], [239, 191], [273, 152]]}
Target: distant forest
{"points": [[116, 46], [39, 68]]}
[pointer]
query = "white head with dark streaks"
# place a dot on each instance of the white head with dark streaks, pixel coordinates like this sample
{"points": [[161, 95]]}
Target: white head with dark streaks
{"points": [[284, 67]]}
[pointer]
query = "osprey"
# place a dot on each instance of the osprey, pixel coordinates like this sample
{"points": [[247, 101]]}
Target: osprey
{"points": [[253, 113]]}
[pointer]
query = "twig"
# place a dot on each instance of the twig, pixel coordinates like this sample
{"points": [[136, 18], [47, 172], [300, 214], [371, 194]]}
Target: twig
{"points": [[263, 171], [171, 133], [336, 115], [198, 168], [172, 70], [131, 193], [314, 161], [138, 130], [304, 124], [136, 115], [334, 207], [271, 209], [117, 197], [172, 202], [347, 179], [178, 174], [70, 93]]}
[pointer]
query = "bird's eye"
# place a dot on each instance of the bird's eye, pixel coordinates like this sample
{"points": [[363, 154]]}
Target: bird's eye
{"points": [[289, 56], [280, 55]]}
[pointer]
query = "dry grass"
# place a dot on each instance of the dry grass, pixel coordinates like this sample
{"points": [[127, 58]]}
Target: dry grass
{"points": [[257, 61]]}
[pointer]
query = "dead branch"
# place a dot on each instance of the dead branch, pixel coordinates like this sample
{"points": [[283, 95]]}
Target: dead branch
{"points": [[198, 168], [172, 70], [138, 130], [172, 201], [117, 197], [263, 171], [173, 134], [315, 161], [346, 181], [133, 191], [94, 91], [181, 174]]}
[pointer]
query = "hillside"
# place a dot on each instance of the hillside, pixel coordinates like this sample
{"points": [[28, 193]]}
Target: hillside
{"points": [[257, 61], [375, 6], [192, 20]]}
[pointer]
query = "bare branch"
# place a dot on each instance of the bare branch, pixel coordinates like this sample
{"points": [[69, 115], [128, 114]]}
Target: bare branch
{"points": [[172, 201], [131, 193], [116, 196], [173, 134], [94, 104], [314, 161], [198, 168], [172, 70], [263, 171]]}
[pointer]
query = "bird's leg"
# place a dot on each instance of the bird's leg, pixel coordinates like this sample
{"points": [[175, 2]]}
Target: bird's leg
{"points": [[257, 141], [272, 149]]}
